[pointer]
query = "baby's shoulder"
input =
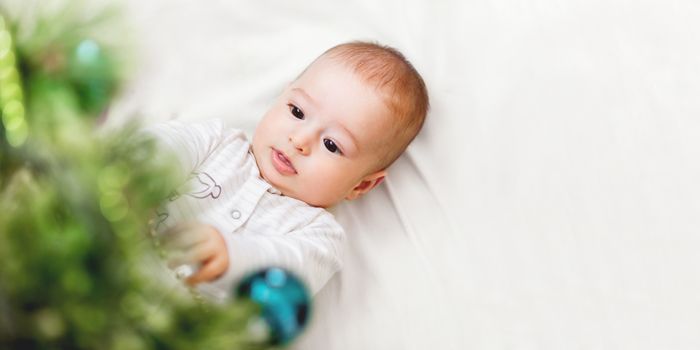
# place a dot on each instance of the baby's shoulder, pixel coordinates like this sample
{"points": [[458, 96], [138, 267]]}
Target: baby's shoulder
{"points": [[225, 132], [228, 141]]}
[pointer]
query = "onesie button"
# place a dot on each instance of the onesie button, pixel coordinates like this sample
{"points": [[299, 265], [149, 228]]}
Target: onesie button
{"points": [[236, 214]]}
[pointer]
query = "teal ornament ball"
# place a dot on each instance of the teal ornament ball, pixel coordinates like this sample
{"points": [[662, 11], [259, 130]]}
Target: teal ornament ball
{"points": [[284, 300]]}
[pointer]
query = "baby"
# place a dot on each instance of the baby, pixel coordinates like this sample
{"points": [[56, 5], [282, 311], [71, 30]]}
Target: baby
{"points": [[330, 136]]}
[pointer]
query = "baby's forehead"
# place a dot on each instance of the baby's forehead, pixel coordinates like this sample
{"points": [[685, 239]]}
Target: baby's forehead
{"points": [[385, 133], [330, 74], [387, 119], [362, 72]]}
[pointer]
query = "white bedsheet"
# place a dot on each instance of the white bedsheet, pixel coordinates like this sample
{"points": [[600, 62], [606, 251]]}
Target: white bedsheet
{"points": [[552, 200]]}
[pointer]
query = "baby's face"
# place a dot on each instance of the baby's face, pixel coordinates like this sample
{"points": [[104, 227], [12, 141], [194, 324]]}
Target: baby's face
{"points": [[321, 138]]}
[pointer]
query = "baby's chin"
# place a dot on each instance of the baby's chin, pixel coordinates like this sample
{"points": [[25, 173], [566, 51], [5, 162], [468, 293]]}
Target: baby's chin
{"points": [[315, 201], [298, 195], [303, 196]]}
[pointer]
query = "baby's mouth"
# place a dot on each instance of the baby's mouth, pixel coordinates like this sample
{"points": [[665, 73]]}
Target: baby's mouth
{"points": [[282, 164]]}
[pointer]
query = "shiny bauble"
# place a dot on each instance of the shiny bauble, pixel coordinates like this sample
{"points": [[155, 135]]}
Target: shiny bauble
{"points": [[284, 301]]}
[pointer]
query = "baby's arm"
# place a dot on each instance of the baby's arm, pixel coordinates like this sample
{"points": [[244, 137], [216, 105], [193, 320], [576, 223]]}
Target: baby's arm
{"points": [[313, 252]]}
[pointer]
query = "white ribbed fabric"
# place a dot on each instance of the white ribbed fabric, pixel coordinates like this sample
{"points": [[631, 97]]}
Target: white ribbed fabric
{"points": [[261, 227]]}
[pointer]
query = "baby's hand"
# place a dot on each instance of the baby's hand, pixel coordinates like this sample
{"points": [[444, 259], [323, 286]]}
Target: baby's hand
{"points": [[197, 244]]}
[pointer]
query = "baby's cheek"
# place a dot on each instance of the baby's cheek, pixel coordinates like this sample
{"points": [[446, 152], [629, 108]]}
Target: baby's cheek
{"points": [[334, 189], [309, 191]]}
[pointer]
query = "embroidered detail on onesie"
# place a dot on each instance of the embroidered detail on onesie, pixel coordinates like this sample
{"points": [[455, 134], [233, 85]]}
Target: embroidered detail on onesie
{"points": [[174, 196], [208, 187], [161, 219]]}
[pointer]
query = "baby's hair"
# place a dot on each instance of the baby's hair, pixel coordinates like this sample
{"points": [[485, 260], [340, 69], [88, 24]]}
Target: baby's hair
{"points": [[392, 74]]}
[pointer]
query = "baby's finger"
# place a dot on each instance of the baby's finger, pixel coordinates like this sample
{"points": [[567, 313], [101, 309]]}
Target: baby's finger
{"points": [[209, 271], [184, 271], [195, 254]]}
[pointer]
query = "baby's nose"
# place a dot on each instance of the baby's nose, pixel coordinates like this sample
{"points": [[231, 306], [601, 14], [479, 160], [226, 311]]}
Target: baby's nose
{"points": [[300, 143]]}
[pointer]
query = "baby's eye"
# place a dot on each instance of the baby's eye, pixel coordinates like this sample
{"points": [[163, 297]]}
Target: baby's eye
{"points": [[331, 146], [296, 112]]}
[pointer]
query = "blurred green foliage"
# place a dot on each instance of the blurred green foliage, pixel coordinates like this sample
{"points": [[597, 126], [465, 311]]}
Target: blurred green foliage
{"points": [[75, 207]]}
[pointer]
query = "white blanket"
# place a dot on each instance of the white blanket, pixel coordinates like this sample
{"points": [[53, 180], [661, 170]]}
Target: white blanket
{"points": [[552, 200]]}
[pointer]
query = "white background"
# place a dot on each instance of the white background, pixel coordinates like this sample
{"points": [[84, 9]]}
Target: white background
{"points": [[552, 200]]}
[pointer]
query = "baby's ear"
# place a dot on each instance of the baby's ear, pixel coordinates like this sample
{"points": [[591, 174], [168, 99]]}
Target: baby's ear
{"points": [[366, 184]]}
